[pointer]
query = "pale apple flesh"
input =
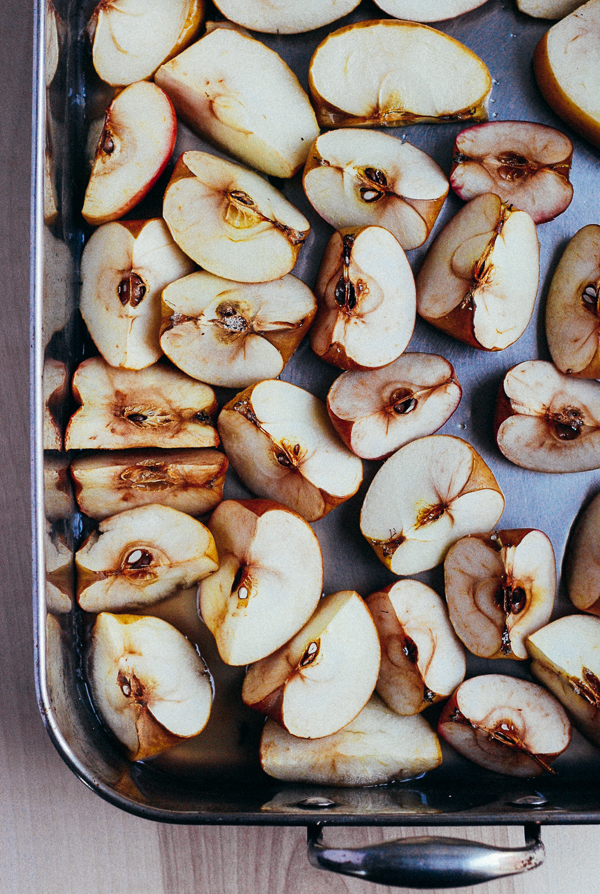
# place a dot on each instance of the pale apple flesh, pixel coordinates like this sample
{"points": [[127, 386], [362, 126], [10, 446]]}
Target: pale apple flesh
{"points": [[549, 9], [583, 560], [428, 10], [283, 17]]}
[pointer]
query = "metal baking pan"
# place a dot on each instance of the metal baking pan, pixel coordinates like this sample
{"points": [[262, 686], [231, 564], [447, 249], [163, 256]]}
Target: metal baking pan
{"points": [[216, 779]]}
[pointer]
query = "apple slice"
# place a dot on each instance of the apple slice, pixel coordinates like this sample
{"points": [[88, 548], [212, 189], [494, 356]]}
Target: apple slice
{"points": [[137, 140], [378, 411], [390, 73], [59, 572], [231, 221], [154, 407], [566, 659], [240, 95], [425, 497], [527, 165], [572, 323], [280, 441], [366, 295], [58, 498], [549, 9], [506, 724], [124, 268], [500, 587], [479, 279], [547, 421], [565, 66], [141, 556], [427, 10], [377, 747], [269, 580], [359, 178], [583, 560], [234, 334], [283, 16], [422, 660], [188, 480], [131, 38], [148, 682], [322, 678], [55, 385]]}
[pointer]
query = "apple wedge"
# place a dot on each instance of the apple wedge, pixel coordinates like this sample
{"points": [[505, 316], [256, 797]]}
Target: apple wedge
{"points": [[58, 497], [131, 38], [500, 588], [241, 96], [148, 683], [479, 279], [154, 407], [269, 580], [283, 16], [525, 164], [506, 724], [112, 481], [390, 73], [583, 560], [136, 142], [549, 9], [377, 747], [378, 411], [427, 10], [231, 221], [572, 313], [280, 441], [566, 659], [55, 385], [366, 300], [547, 421], [124, 268], [359, 177], [140, 556], [422, 661], [424, 498], [58, 560], [234, 334], [322, 678]]}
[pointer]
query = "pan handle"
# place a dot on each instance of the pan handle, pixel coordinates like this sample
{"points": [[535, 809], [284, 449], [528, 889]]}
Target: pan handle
{"points": [[428, 861]]}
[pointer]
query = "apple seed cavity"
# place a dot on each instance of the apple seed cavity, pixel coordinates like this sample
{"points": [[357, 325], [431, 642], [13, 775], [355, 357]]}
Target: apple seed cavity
{"points": [[243, 213], [131, 290]]}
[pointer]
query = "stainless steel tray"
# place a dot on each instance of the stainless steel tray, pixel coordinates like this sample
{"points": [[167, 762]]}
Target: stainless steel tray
{"points": [[217, 780]]}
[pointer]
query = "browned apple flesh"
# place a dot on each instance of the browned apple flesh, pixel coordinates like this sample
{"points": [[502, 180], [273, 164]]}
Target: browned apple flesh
{"points": [[547, 421], [500, 588], [572, 313], [366, 300], [377, 411], [526, 164], [506, 724], [112, 481], [55, 384], [583, 560], [154, 407], [422, 660], [479, 279]]}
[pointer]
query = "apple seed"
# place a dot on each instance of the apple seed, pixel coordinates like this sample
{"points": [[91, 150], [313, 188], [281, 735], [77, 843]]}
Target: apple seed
{"points": [[131, 290], [567, 424], [131, 687], [150, 475], [243, 213], [590, 298], [310, 654], [106, 144]]}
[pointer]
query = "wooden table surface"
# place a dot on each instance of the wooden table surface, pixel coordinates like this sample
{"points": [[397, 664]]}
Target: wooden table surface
{"points": [[57, 837]]}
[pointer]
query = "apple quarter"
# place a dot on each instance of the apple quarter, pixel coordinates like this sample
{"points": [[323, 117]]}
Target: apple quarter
{"points": [[285, 16]]}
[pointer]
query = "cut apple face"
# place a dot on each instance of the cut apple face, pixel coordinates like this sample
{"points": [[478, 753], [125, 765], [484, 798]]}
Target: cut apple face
{"points": [[378, 411], [506, 724], [131, 38], [141, 556], [366, 300], [390, 74], [322, 678], [154, 407], [136, 143], [565, 66], [359, 178], [113, 481], [284, 16], [240, 95], [572, 312], [427, 10], [280, 441], [479, 279], [549, 9], [234, 334], [425, 497], [422, 660], [231, 221], [124, 268], [547, 421], [500, 588], [269, 581], [527, 165], [377, 747], [148, 682], [566, 659], [583, 560]]}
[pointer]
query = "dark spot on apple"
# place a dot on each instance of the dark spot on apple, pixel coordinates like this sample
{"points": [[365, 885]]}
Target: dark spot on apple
{"points": [[430, 514], [202, 416], [347, 243], [345, 293], [238, 578], [567, 424], [242, 197], [283, 460]]}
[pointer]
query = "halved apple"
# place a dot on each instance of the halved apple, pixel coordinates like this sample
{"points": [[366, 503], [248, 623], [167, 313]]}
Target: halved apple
{"points": [[283, 16], [269, 580], [427, 10], [322, 678], [583, 560]]}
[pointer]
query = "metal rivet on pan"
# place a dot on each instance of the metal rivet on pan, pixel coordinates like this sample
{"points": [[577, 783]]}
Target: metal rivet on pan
{"points": [[315, 803], [530, 801]]}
